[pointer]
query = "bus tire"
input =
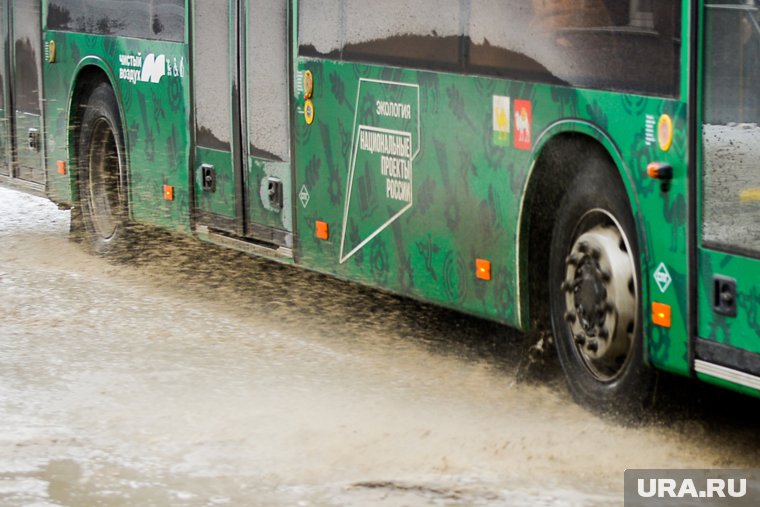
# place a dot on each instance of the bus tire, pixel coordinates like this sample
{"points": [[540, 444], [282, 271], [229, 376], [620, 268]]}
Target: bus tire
{"points": [[595, 295], [102, 176]]}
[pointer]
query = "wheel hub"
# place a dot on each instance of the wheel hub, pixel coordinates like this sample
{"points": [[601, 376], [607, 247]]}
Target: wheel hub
{"points": [[590, 293], [600, 297]]}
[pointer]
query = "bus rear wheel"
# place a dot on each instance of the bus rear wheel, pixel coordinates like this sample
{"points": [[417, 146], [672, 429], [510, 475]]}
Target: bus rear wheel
{"points": [[102, 175], [595, 296]]}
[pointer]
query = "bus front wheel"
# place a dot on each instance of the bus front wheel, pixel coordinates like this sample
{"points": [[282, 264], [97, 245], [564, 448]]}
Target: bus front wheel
{"points": [[102, 175], [595, 296]]}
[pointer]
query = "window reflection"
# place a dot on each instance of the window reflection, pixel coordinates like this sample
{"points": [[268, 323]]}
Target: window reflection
{"points": [[629, 45], [147, 19]]}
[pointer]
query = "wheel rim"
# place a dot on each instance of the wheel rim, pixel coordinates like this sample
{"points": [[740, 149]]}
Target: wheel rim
{"points": [[601, 294], [104, 180]]}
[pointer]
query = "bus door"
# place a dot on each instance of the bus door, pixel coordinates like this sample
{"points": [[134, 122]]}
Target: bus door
{"points": [[241, 69], [26, 89], [5, 137], [727, 347]]}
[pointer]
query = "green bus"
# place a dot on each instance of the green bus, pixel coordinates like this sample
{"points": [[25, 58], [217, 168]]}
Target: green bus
{"points": [[581, 167]]}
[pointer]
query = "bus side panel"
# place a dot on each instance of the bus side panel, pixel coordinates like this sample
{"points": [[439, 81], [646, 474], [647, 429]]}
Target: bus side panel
{"points": [[741, 329], [467, 166], [151, 81], [663, 220], [58, 78], [626, 127], [413, 215]]}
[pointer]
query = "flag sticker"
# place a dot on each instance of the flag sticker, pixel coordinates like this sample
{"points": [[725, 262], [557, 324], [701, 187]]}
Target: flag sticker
{"points": [[501, 123], [523, 124]]}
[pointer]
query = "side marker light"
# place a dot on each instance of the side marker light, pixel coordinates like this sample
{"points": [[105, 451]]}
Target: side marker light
{"points": [[61, 166], [660, 171], [323, 230], [661, 314], [168, 193], [482, 269]]}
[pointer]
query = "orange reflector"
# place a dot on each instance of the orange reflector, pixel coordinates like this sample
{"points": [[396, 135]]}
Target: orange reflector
{"points": [[482, 269], [168, 193], [61, 165], [308, 84], [323, 230], [661, 314]]}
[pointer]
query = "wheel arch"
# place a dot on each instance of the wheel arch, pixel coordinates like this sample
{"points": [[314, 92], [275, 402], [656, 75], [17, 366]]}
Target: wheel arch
{"points": [[89, 73], [558, 156]]}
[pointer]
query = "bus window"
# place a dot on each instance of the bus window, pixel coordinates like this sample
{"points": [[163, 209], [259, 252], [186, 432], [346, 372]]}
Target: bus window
{"points": [[625, 45], [268, 92], [420, 34], [146, 19], [629, 45], [730, 132], [213, 109], [27, 50]]}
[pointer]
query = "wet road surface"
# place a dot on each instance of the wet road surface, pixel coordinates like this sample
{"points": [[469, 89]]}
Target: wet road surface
{"points": [[194, 376]]}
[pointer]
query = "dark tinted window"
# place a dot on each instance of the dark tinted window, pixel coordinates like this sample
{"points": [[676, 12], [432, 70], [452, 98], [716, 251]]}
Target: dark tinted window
{"points": [[627, 45], [732, 52], [26, 45], [420, 34], [146, 19]]}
